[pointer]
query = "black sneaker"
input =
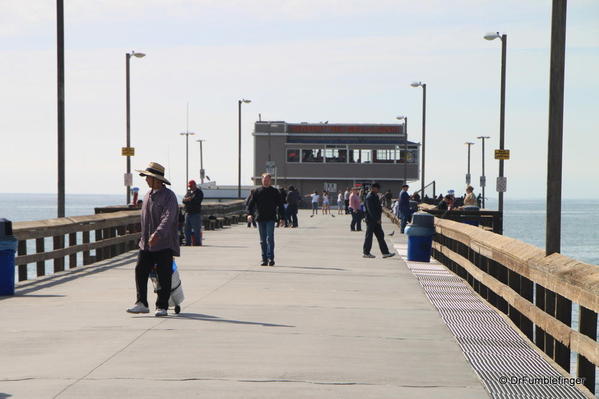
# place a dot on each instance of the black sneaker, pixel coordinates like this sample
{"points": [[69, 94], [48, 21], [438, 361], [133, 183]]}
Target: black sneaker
{"points": [[271, 262], [264, 263]]}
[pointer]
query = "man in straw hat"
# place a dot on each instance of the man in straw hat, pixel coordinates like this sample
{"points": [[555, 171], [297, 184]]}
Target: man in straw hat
{"points": [[159, 240]]}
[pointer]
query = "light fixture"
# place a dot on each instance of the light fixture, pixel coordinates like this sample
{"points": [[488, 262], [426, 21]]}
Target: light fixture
{"points": [[492, 36], [416, 84], [246, 101]]}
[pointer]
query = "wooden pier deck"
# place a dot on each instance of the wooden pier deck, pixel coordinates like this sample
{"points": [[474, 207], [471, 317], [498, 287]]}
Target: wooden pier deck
{"points": [[323, 323]]}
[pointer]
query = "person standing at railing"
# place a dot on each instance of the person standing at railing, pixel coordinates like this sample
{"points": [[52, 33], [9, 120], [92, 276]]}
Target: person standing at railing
{"points": [[404, 210], [374, 213], [470, 198], [159, 240], [193, 214]]}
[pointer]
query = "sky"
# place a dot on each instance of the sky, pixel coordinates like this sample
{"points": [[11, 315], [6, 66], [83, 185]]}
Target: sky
{"points": [[345, 61]]}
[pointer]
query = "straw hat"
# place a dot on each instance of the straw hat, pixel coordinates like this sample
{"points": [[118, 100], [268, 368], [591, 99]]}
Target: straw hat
{"points": [[154, 170]]}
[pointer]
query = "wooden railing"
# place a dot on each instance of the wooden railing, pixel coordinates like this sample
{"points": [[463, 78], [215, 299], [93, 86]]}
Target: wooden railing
{"points": [[487, 219], [535, 291], [96, 237]]}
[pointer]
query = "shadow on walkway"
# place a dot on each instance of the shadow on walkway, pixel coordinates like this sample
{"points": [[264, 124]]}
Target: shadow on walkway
{"points": [[206, 317]]}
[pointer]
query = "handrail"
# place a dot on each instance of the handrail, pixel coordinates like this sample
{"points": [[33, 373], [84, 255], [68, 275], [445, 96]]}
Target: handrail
{"points": [[433, 183], [107, 234], [505, 272]]}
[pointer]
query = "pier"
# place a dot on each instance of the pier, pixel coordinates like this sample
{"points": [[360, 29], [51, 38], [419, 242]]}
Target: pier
{"points": [[324, 322]]}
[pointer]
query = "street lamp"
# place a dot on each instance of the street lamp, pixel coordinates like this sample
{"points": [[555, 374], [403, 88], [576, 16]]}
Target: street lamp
{"points": [[128, 95], [243, 100], [503, 37], [405, 162], [469, 144], [202, 173], [483, 179], [187, 134], [423, 85]]}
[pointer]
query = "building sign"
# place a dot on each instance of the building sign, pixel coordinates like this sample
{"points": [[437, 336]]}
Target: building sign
{"points": [[366, 129], [502, 154]]}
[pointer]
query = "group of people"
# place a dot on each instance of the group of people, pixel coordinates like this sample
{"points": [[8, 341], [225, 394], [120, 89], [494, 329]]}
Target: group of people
{"points": [[267, 206], [450, 202]]}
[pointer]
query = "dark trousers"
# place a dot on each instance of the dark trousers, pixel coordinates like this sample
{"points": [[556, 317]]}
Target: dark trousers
{"points": [[356, 221], [164, 268], [292, 215], [406, 216], [376, 229], [346, 203]]}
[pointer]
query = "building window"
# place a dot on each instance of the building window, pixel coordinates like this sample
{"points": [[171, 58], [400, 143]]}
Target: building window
{"points": [[312, 155], [293, 155], [360, 156], [384, 156], [335, 154]]}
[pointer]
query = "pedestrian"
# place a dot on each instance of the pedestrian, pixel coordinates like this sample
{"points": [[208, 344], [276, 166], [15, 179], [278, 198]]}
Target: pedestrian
{"points": [[416, 197], [266, 203], [193, 214], [374, 226], [340, 203], [158, 242], [247, 201], [403, 208], [356, 211], [346, 195], [284, 199], [470, 198], [326, 208], [315, 199], [388, 197], [293, 201]]}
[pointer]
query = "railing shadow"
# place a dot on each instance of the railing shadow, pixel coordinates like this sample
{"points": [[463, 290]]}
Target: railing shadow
{"points": [[206, 317]]}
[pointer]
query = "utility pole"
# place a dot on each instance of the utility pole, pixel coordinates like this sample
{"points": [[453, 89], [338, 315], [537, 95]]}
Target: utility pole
{"points": [[60, 93], [468, 179], [483, 178], [202, 172]]}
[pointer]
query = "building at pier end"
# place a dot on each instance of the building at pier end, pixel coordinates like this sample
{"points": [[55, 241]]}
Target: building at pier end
{"points": [[332, 157]]}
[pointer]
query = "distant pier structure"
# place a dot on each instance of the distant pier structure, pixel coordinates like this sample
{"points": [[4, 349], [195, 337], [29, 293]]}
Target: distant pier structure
{"points": [[331, 157]]}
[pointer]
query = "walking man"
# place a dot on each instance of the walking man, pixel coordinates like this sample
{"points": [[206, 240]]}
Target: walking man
{"points": [[266, 203], [346, 200], [374, 212], [159, 240], [193, 214], [405, 213]]}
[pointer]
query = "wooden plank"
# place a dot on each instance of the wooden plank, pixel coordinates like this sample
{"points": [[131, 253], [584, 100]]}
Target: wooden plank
{"points": [[58, 242], [86, 257], [588, 327], [563, 333], [72, 257], [77, 248]]}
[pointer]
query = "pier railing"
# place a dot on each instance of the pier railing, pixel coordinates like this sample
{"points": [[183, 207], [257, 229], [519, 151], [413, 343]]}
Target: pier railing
{"points": [[95, 237], [535, 291]]}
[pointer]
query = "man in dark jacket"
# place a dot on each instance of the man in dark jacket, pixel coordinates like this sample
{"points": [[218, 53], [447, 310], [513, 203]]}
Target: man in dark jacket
{"points": [[405, 212], [193, 213], [293, 201], [284, 211], [374, 212], [266, 203]]}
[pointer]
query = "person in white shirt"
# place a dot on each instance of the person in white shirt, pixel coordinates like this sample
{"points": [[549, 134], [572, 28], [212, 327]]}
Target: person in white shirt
{"points": [[326, 209], [315, 200], [346, 200], [340, 203]]}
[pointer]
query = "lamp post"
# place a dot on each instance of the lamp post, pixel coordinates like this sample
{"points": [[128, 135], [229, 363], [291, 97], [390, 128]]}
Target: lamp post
{"points": [[60, 106], [469, 144], [202, 173], [239, 146], [493, 36], [187, 134], [128, 95], [423, 85], [405, 163], [483, 179]]}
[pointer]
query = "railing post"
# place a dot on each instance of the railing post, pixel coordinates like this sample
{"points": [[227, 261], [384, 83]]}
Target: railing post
{"points": [[40, 248], [588, 327], [563, 312], [99, 251], [514, 283], [550, 309], [86, 257], [540, 302], [58, 242], [72, 257], [526, 291], [22, 250]]}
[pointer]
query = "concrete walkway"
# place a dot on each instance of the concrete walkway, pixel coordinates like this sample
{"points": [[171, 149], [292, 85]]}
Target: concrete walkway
{"points": [[323, 323]]}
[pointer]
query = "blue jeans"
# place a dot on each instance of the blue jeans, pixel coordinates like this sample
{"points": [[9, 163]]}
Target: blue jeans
{"points": [[267, 239], [193, 222], [406, 216]]}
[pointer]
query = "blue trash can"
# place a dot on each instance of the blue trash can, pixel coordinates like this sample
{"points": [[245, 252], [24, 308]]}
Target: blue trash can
{"points": [[8, 248], [420, 237]]}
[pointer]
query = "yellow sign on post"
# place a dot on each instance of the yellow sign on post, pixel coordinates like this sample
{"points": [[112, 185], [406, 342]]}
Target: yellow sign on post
{"points": [[128, 151], [502, 154]]}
